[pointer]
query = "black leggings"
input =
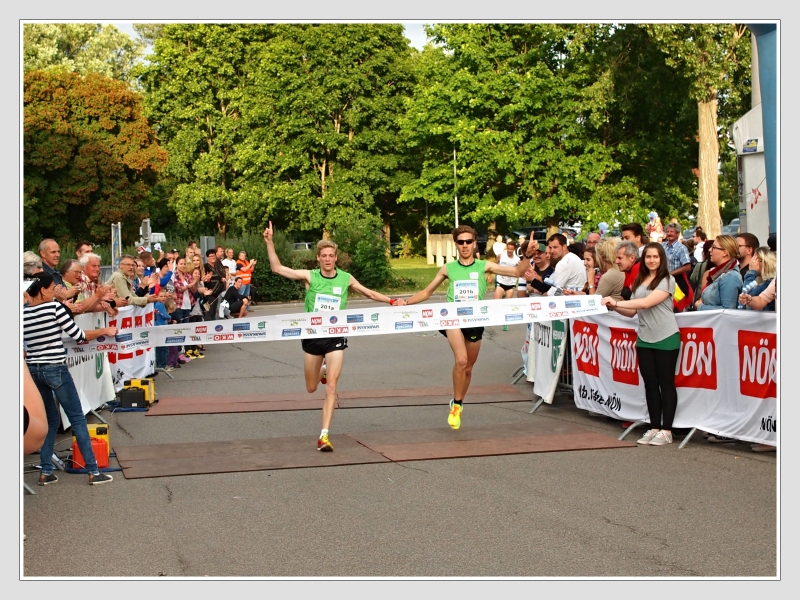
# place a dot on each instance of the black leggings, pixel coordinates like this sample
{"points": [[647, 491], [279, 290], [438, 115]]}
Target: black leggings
{"points": [[658, 373]]}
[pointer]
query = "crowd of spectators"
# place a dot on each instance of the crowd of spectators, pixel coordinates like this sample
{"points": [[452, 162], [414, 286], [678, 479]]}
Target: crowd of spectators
{"points": [[726, 272], [181, 286]]}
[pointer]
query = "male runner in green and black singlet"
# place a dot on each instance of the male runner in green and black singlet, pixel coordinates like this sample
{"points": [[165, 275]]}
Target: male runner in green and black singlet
{"points": [[467, 284], [326, 290]]}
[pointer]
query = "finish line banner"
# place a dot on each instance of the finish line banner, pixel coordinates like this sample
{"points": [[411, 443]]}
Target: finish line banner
{"points": [[347, 323]]}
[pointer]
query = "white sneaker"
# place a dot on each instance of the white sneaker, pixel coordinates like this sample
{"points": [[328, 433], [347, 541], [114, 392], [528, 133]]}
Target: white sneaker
{"points": [[649, 435], [661, 438]]}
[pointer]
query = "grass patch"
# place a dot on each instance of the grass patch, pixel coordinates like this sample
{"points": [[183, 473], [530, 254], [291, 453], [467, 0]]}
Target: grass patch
{"points": [[412, 275]]}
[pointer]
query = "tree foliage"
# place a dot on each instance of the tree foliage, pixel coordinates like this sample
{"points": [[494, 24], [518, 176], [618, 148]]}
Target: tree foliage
{"points": [[326, 127], [194, 86], [513, 102], [715, 59], [90, 157], [82, 48], [297, 123], [368, 250]]}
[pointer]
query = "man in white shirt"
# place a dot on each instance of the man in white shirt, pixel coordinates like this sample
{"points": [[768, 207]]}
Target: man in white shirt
{"points": [[699, 238], [570, 272], [499, 246], [230, 262]]}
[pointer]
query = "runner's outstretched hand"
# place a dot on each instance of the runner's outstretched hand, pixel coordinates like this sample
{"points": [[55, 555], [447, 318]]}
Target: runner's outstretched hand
{"points": [[268, 232]]}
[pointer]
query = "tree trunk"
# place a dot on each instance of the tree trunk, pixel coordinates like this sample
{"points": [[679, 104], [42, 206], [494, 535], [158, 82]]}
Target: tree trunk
{"points": [[708, 170], [387, 232]]}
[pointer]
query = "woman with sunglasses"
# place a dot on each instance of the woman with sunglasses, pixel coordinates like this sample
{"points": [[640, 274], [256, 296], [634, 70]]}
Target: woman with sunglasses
{"points": [[722, 282], [467, 284], [44, 321], [657, 342]]}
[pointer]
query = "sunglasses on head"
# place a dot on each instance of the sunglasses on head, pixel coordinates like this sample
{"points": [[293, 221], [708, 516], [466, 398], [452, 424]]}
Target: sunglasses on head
{"points": [[462, 242]]}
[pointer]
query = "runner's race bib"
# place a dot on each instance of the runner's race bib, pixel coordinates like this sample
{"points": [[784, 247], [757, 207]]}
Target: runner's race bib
{"points": [[465, 291], [326, 303]]}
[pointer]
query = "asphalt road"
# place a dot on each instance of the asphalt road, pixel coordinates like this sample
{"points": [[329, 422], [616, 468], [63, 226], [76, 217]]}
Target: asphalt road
{"points": [[705, 511]]}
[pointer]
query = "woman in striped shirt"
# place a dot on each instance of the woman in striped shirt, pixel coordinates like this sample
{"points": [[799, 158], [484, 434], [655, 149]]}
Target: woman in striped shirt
{"points": [[44, 320]]}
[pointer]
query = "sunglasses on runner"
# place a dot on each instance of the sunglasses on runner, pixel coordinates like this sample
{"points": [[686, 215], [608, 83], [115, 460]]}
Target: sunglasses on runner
{"points": [[462, 242]]}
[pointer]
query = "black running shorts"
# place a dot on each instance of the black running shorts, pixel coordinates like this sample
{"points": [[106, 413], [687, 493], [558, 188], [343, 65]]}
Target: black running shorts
{"points": [[321, 346], [471, 334]]}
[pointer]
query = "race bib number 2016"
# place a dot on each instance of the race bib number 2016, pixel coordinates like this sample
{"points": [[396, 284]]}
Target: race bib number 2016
{"points": [[326, 303], [465, 291]]}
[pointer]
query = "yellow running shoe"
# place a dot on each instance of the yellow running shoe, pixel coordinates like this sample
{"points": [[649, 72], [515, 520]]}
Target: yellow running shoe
{"points": [[454, 418], [323, 444]]}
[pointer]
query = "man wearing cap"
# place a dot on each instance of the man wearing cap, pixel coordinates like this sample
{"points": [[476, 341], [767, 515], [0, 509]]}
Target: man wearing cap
{"points": [[541, 269], [677, 253], [568, 272]]}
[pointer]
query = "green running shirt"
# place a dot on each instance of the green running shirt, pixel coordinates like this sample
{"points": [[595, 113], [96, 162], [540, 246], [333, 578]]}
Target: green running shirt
{"points": [[326, 294], [466, 283]]}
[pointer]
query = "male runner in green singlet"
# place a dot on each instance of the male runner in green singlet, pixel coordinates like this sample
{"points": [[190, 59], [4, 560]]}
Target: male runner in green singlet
{"points": [[326, 290], [467, 283]]}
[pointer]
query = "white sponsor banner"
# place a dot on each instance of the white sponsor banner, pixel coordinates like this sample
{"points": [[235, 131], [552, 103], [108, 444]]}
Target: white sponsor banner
{"points": [[526, 352], [130, 354], [90, 371], [726, 374], [548, 345], [347, 323]]}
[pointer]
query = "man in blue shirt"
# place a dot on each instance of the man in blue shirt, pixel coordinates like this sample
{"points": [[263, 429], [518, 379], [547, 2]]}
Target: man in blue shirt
{"points": [[677, 253]]}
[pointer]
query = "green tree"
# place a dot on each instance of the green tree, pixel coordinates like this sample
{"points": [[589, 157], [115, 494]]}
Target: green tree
{"points": [[513, 100], [90, 157], [149, 32], [194, 84], [323, 111], [80, 47], [648, 122], [716, 59]]}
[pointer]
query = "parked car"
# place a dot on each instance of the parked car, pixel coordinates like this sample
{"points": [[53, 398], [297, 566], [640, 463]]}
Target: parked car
{"points": [[735, 222], [303, 246], [730, 229], [540, 233]]}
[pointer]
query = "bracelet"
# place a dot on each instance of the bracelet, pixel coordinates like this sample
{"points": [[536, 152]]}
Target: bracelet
{"points": [[392, 301]]}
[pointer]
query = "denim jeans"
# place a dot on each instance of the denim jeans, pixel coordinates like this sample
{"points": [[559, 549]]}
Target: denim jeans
{"points": [[162, 352], [245, 290], [52, 379]]}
